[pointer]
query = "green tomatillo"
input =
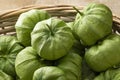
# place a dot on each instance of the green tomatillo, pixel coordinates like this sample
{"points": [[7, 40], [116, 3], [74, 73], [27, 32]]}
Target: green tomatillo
{"points": [[93, 23]]}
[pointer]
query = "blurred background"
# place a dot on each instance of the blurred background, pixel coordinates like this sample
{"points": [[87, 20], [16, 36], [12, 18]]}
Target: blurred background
{"points": [[5, 5]]}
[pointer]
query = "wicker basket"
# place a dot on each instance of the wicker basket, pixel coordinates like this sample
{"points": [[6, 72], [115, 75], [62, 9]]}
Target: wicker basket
{"points": [[65, 12]]}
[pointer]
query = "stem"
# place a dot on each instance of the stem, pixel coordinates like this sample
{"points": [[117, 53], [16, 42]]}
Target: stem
{"points": [[50, 29], [78, 10]]}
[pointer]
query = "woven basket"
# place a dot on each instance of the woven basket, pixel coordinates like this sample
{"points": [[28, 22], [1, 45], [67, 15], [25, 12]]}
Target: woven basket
{"points": [[65, 12]]}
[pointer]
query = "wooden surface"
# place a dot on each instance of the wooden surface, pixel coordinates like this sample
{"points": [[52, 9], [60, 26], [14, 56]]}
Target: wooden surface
{"points": [[5, 5]]}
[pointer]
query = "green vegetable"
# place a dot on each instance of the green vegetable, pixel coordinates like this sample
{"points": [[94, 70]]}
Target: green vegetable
{"points": [[104, 55], [4, 76], [71, 65], [87, 72], [52, 38], [93, 23], [27, 61], [26, 23], [65, 68], [49, 73], [9, 48], [71, 26], [77, 46], [111, 74]]}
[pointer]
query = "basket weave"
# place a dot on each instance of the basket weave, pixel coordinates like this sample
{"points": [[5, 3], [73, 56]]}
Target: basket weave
{"points": [[65, 12]]}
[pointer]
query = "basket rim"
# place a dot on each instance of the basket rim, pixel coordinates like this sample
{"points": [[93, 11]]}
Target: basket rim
{"points": [[13, 14], [29, 7], [10, 12], [19, 10]]}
